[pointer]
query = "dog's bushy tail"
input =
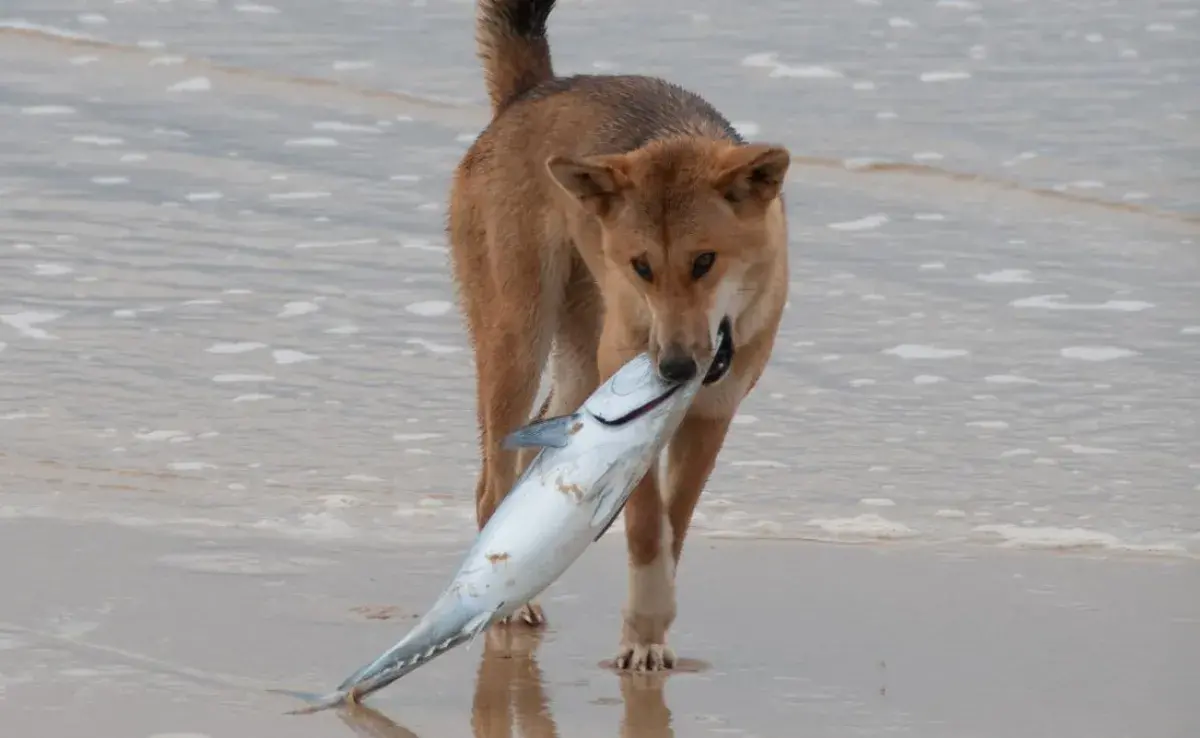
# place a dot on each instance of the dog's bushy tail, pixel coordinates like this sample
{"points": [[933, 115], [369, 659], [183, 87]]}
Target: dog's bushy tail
{"points": [[511, 36]]}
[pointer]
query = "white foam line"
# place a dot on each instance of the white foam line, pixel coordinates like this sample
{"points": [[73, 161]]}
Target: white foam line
{"points": [[1006, 276], [291, 356], [870, 526], [192, 84], [314, 141], [1017, 536], [48, 110], [230, 378], [917, 351], [944, 76], [24, 323], [429, 308], [867, 223], [337, 244], [234, 347], [1096, 353], [336, 125], [1053, 302], [20, 24]]}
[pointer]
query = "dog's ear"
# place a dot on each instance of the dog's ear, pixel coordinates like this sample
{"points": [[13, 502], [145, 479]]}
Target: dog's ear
{"points": [[752, 174], [596, 182]]}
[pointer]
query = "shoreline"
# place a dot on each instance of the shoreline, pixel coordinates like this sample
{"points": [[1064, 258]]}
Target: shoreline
{"points": [[1075, 542]]}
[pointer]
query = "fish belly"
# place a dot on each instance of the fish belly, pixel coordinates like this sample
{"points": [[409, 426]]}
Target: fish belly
{"points": [[517, 561]]}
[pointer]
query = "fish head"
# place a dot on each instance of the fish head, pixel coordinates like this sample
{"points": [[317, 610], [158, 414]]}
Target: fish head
{"points": [[637, 399], [636, 391], [636, 404]]}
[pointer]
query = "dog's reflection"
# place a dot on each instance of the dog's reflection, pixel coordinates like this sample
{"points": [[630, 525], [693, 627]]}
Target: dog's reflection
{"points": [[509, 687], [510, 693], [646, 714]]}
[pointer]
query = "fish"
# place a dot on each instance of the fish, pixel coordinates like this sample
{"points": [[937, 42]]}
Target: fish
{"points": [[587, 465]]}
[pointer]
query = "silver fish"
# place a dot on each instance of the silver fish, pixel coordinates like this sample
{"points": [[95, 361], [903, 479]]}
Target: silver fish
{"points": [[588, 464]]}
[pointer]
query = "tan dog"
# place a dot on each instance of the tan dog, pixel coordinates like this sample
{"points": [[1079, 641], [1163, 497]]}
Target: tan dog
{"points": [[595, 218]]}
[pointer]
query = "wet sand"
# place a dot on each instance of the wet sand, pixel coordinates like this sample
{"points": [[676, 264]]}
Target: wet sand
{"points": [[223, 265], [108, 631]]}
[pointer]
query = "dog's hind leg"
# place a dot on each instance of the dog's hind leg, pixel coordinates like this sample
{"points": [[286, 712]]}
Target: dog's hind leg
{"points": [[513, 343], [512, 346], [574, 373]]}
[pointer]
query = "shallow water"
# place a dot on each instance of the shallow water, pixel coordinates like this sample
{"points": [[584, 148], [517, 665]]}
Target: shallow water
{"points": [[224, 298]]}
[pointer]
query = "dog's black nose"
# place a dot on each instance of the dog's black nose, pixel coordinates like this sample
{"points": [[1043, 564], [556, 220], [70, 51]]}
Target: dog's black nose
{"points": [[677, 367]]}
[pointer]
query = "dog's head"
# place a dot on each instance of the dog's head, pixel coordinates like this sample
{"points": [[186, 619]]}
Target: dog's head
{"points": [[693, 225]]}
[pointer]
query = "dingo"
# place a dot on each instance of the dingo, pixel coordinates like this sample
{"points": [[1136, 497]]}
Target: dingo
{"points": [[597, 217]]}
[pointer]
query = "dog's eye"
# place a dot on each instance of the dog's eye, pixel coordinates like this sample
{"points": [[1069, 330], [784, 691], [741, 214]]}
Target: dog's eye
{"points": [[702, 263], [642, 267]]}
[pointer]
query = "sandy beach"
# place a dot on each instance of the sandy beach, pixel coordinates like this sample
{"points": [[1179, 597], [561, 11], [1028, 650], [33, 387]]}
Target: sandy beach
{"points": [[237, 439], [111, 631]]}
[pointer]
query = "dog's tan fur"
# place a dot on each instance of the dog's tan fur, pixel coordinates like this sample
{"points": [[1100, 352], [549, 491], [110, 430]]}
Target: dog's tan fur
{"points": [[575, 182]]}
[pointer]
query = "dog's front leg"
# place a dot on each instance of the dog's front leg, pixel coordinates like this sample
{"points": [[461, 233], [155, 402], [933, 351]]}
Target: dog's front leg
{"points": [[691, 457], [655, 528], [650, 608]]}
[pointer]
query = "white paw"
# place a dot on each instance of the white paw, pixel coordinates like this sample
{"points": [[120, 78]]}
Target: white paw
{"points": [[645, 657], [530, 613]]}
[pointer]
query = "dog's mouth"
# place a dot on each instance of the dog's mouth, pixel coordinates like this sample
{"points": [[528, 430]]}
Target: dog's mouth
{"points": [[724, 356]]}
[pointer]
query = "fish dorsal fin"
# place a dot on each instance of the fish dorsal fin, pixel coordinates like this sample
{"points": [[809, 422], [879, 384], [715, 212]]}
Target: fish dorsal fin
{"points": [[549, 433]]}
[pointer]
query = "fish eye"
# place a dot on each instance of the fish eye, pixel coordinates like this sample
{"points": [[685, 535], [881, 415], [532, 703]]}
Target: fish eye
{"points": [[642, 268], [702, 263]]}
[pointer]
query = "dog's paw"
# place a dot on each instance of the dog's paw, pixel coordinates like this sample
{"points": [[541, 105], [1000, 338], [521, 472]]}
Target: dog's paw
{"points": [[530, 614], [644, 657]]}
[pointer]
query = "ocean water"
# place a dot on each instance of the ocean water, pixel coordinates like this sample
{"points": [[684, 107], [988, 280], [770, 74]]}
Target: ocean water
{"points": [[225, 305]]}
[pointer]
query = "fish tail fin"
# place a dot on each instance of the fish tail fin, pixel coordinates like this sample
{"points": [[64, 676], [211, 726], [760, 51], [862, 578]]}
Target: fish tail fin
{"points": [[406, 657], [419, 647]]}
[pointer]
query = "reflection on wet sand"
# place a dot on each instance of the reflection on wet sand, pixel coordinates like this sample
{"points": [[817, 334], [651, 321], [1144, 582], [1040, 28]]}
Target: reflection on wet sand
{"points": [[646, 714], [371, 723], [510, 689]]}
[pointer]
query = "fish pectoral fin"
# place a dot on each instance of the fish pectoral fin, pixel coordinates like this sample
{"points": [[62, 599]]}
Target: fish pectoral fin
{"points": [[609, 505], [549, 433], [610, 493], [606, 513]]}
